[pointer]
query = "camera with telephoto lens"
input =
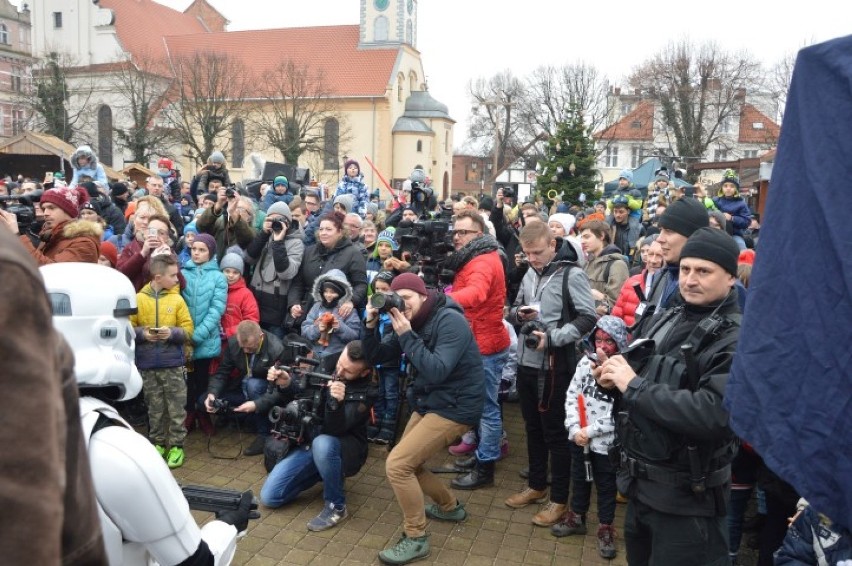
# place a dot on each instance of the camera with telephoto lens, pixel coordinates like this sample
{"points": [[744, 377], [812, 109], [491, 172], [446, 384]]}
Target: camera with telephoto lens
{"points": [[384, 302], [220, 406], [296, 419], [277, 226], [527, 330], [428, 244], [230, 192], [23, 207]]}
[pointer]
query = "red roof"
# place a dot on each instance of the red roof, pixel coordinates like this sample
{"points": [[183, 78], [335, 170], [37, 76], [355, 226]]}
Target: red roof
{"points": [[141, 24], [756, 127], [637, 125], [333, 50]]}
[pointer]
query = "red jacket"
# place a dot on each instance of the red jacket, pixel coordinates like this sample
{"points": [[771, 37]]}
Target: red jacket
{"points": [[480, 288], [625, 306], [241, 306]]}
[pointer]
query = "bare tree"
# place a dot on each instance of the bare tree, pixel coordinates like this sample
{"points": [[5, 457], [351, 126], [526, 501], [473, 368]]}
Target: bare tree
{"points": [[59, 97], [295, 114], [778, 83], [494, 122], [141, 86], [208, 93], [699, 90]]}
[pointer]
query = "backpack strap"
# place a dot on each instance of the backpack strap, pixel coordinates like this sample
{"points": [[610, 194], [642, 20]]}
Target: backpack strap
{"points": [[567, 301]]}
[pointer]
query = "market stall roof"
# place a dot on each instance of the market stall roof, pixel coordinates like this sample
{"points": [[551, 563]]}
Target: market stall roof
{"points": [[32, 154]]}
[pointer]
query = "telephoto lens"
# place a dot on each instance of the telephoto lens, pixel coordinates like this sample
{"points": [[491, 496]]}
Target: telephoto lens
{"points": [[384, 302]]}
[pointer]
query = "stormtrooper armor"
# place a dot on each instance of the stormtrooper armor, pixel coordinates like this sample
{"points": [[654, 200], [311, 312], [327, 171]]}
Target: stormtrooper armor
{"points": [[144, 515]]}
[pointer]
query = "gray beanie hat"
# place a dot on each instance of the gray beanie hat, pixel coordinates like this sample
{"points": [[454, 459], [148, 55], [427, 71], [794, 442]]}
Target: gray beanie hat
{"points": [[346, 200], [372, 208], [233, 261], [281, 208], [217, 157]]}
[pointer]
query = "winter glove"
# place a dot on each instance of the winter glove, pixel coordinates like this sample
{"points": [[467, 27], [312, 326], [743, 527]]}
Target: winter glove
{"points": [[240, 516]]}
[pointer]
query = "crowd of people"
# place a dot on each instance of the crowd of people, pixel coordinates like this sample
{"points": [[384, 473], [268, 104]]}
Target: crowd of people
{"points": [[614, 327]]}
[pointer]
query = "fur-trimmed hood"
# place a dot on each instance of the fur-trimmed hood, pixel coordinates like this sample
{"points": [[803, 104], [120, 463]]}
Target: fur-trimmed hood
{"points": [[78, 227], [338, 277], [84, 151]]}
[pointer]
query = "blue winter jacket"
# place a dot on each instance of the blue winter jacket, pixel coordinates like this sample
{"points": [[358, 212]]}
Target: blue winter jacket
{"points": [[739, 211], [206, 294], [271, 197], [355, 187]]}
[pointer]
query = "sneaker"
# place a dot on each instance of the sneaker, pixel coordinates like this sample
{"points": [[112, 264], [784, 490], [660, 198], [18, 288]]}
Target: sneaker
{"points": [[161, 450], [549, 514], [433, 511], [466, 446], [606, 541], [175, 457], [385, 436], [570, 524], [527, 496], [406, 550], [372, 433], [329, 517], [256, 447]]}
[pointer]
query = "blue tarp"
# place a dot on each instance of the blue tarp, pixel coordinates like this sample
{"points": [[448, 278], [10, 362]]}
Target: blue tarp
{"points": [[642, 177], [790, 391]]}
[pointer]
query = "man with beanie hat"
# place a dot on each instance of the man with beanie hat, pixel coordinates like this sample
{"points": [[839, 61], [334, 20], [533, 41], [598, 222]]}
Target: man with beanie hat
{"points": [[445, 394], [63, 236], [680, 220], [676, 445]]}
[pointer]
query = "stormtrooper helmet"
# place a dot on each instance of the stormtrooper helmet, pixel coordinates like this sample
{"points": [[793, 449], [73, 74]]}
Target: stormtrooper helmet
{"points": [[91, 308]]}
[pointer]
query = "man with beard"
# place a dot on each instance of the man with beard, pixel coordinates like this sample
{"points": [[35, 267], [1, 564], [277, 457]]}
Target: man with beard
{"points": [[479, 287], [63, 236]]}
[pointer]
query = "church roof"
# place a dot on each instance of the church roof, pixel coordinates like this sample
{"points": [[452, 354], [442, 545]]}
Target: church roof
{"points": [[331, 50], [420, 104], [411, 125]]}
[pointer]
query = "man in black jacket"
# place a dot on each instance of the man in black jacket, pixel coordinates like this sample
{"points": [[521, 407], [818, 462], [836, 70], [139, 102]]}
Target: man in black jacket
{"points": [[675, 443], [446, 397], [242, 375], [331, 450]]}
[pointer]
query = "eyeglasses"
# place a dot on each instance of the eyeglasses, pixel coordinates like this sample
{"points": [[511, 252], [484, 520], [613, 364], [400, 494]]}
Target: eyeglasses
{"points": [[461, 232]]}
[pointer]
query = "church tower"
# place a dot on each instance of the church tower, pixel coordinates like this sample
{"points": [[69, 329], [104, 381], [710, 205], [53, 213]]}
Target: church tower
{"points": [[388, 22]]}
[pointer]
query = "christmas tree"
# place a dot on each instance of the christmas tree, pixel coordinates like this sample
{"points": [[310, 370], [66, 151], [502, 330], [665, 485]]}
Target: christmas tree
{"points": [[569, 168]]}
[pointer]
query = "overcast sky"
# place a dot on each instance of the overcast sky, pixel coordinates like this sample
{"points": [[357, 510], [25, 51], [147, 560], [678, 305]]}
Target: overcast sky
{"points": [[464, 39]]}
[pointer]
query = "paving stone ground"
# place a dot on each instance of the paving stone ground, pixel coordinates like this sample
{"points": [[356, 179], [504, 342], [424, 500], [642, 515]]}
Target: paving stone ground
{"points": [[493, 533]]}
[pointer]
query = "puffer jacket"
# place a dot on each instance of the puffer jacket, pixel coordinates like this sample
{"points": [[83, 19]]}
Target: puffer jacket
{"points": [[738, 209], [93, 169], [205, 294], [479, 287], [276, 265], [546, 289], [75, 240], [446, 367], [240, 305], [355, 187], [166, 308], [618, 273], [628, 301], [318, 260], [350, 327]]}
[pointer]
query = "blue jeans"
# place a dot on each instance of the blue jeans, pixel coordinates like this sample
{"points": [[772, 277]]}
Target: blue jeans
{"points": [[302, 468], [736, 511], [491, 422], [388, 402], [277, 331], [251, 390]]}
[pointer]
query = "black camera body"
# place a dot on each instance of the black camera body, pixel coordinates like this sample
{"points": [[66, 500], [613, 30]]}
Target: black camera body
{"points": [[428, 244], [384, 302], [527, 330], [508, 192], [230, 192], [220, 406], [295, 420], [277, 226], [23, 207]]}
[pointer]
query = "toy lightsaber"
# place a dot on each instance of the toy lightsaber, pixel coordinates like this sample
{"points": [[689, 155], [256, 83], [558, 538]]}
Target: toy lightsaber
{"points": [[381, 178], [584, 422]]}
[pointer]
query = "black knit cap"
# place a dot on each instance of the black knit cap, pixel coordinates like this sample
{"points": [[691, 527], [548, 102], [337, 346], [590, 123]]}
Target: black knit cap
{"points": [[684, 216], [713, 245]]}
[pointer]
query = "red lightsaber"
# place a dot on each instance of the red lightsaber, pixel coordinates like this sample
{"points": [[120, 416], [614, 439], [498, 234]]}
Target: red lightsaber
{"points": [[584, 422], [381, 178]]}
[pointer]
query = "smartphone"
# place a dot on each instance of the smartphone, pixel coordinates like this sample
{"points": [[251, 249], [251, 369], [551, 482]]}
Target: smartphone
{"points": [[152, 233]]}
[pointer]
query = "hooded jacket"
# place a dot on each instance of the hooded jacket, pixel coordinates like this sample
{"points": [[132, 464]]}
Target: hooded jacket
{"points": [[166, 308], [444, 361], [479, 287], [354, 186], [276, 264], [205, 294], [738, 209], [240, 305], [93, 169], [74, 240], [546, 289], [596, 269], [318, 260], [350, 327]]}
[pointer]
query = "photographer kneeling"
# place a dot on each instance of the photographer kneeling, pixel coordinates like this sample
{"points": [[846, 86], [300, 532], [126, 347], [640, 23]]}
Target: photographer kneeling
{"points": [[333, 447], [445, 394]]}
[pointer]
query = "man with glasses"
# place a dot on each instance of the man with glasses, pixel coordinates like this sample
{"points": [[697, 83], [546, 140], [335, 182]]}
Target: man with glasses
{"points": [[155, 188], [479, 287]]}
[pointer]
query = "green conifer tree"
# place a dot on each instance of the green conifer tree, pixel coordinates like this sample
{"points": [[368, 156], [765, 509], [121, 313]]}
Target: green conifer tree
{"points": [[569, 162]]}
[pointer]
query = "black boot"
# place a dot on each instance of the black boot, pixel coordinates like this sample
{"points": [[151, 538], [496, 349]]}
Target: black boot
{"points": [[466, 462], [482, 475]]}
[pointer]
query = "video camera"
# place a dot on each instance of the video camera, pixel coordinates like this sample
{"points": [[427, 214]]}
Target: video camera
{"points": [[294, 420], [427, 244], [23, 207]]}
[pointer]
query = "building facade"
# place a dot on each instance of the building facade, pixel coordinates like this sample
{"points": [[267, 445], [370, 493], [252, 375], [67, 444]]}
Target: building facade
{"points": [[372, 74], [15, 67]]}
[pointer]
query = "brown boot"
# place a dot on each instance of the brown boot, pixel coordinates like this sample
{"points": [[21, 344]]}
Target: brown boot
{"points": [[527, 496], [550, 514]]}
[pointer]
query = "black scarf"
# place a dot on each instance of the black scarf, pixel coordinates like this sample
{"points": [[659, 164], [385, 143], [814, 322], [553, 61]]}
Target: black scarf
{"points": [[419, 319], [476, 247]]}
